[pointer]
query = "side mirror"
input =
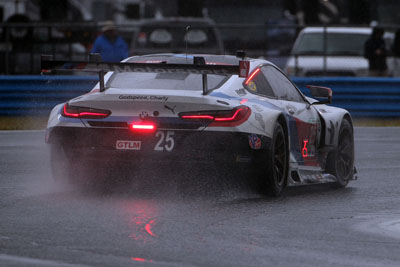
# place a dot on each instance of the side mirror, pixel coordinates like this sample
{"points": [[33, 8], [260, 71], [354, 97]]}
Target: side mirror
{"points": [[323, 94]]}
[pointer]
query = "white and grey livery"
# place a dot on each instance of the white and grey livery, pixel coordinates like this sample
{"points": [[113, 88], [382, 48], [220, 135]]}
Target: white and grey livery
{"points": [[203, 109]]}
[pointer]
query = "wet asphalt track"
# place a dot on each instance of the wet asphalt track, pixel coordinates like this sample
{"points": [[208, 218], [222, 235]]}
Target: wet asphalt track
{"points": [[190, 218]]}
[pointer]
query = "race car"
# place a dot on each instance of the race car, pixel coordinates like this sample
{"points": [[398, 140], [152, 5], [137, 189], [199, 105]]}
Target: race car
{"points": [[197, 109]]}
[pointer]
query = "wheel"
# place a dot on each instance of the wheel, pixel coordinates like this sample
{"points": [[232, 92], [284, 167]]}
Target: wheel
{"points": [[340, 162], [273, 175]]}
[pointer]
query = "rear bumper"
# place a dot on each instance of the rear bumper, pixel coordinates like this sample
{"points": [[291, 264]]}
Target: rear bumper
{"points": [[100, 144]]}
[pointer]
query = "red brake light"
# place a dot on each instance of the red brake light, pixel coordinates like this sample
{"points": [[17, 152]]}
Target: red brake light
{"points": [[229, 118], [84, 112], [247, 81], [197, 117], [220, 118], [143, 126]]}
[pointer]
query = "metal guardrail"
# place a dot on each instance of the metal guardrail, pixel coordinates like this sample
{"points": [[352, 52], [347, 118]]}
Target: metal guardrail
{"points": [[37, 95]]}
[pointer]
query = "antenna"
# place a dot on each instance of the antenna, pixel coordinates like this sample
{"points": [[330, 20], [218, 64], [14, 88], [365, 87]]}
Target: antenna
{"points": [[186, 42]]}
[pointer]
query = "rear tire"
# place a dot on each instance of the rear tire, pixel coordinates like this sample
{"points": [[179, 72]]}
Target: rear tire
{"points": [[340, 162], [273, 175]]}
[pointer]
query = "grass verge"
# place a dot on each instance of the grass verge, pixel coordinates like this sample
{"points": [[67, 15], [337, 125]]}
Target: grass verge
{"points": [[23, 123]]}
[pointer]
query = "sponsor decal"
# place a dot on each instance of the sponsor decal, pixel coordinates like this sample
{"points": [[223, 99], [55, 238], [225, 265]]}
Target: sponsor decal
{"points": [[171, 109], [252, 86], [128, 145], [308, 150], [254, 141], [304, 150], [260, 119], [144, 98], [143, 115]]}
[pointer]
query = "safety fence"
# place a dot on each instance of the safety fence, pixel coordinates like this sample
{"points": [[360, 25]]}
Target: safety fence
{"points": [[36, 95], [22, 44]]}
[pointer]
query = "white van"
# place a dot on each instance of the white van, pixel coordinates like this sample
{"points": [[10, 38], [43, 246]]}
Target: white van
{"points": [[344, 52]]}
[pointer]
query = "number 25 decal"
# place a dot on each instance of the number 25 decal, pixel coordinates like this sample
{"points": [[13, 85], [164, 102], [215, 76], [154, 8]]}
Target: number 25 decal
{"points": [[166, 141]]}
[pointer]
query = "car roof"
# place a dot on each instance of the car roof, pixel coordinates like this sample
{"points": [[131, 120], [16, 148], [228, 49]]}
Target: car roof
{"points": [[178, 21], [353, 30]]}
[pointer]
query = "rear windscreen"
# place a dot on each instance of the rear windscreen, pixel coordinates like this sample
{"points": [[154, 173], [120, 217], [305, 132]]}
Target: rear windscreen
{"points": [[168, 81]]}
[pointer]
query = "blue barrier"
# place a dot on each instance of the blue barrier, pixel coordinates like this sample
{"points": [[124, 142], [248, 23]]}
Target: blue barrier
{"points": [[363, 97], [37, 95]]}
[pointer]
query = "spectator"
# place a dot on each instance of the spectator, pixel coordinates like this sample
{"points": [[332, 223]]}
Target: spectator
{"points": [[110, 45], [396, 54], [375, 52]]}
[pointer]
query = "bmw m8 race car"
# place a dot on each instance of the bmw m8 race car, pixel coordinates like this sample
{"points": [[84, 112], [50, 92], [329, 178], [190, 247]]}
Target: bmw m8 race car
{"points": [[193, 109]]}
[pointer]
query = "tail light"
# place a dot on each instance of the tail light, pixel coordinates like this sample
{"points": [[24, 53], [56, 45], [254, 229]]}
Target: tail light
{"points": [[84, 112], [143, 126], [219, 118]]}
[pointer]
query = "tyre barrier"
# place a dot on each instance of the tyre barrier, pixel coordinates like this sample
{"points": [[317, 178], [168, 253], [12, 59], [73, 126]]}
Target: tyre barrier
{"points": [[37, 95]]}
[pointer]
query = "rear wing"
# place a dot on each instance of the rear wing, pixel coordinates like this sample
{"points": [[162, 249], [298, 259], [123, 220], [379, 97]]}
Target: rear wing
{"points": [[94, 64]]}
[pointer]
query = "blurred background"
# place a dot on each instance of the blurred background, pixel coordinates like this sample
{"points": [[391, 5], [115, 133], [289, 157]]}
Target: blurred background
{"points": [[263, 28], [318, 42]]}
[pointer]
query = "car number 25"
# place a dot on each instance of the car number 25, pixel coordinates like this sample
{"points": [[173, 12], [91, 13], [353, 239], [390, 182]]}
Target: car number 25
{"points": [[165, 142]]}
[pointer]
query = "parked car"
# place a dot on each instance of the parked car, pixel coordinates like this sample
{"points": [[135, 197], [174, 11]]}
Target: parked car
{"points": [[341, 55], [177, 35]]}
